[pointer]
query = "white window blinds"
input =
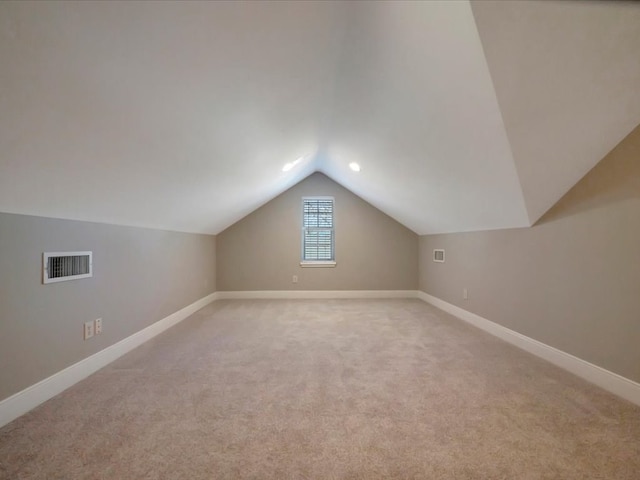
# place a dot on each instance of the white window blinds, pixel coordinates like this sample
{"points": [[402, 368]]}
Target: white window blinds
{"points": [[317, 230]]}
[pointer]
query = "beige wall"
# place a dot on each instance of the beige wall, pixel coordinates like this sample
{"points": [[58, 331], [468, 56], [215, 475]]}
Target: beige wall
{"points": [[262, 251], [572, 281], [140, 277]]}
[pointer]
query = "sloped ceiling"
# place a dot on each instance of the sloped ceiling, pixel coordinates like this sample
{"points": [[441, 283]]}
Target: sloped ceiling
{"points": [[567, 78], [181, 115]]}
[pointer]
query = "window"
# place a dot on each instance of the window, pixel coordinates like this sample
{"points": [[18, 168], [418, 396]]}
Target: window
{"points": [[318, 235]]}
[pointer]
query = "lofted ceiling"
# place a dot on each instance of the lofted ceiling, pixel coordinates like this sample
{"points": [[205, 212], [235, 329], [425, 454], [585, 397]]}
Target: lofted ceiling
{"points": [[180, 116]]}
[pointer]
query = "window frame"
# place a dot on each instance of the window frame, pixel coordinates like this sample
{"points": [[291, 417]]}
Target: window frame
{"points": [[318, 263]]}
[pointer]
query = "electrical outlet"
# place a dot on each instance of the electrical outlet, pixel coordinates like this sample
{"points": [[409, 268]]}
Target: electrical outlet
{"points": [[98, 326], [465, 293], [88, 330], [295, 279]]}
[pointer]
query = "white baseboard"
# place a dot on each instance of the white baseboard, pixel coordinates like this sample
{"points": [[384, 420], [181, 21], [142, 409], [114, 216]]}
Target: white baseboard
{"points": [[29, 398], [310, 294], [612, 382]]}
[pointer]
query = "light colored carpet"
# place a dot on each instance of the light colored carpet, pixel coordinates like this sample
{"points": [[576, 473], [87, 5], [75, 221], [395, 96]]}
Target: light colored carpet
{"points": [[338, 389]]}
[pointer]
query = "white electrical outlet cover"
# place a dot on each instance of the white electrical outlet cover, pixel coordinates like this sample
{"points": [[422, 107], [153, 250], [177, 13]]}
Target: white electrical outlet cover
{"points": [[88, 330], [98, 327]]}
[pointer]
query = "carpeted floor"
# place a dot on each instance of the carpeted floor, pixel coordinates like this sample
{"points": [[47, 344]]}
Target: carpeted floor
{"points": [[337, 389]]}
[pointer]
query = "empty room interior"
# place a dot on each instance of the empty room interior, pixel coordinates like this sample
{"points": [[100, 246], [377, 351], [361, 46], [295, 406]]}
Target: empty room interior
{"points": [[320, 240]]}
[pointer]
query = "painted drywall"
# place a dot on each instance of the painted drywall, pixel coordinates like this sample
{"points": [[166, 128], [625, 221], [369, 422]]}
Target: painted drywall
{"points": [[262, 251], [572, 281], [552, 66], [140, 276]]}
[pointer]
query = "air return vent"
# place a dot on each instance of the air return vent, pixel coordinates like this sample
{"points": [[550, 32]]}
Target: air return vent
{"points": [[438, 255], [62, 266]]}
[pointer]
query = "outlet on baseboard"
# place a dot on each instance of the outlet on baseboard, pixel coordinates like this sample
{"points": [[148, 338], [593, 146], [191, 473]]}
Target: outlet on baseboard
{"points": [[88, 330], [98, 326], [464, 293]]}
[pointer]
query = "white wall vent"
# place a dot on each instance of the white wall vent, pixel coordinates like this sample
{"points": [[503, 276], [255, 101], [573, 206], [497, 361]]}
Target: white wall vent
{"points": [[438, 255], [63, 266]]}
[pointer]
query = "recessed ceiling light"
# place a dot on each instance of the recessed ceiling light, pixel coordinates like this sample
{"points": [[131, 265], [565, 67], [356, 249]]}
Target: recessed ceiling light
{"points": [[290, 165], [354, 166]]}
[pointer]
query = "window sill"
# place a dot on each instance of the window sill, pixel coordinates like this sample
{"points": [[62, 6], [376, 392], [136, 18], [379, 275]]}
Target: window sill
{"points": [[318, 264]]}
